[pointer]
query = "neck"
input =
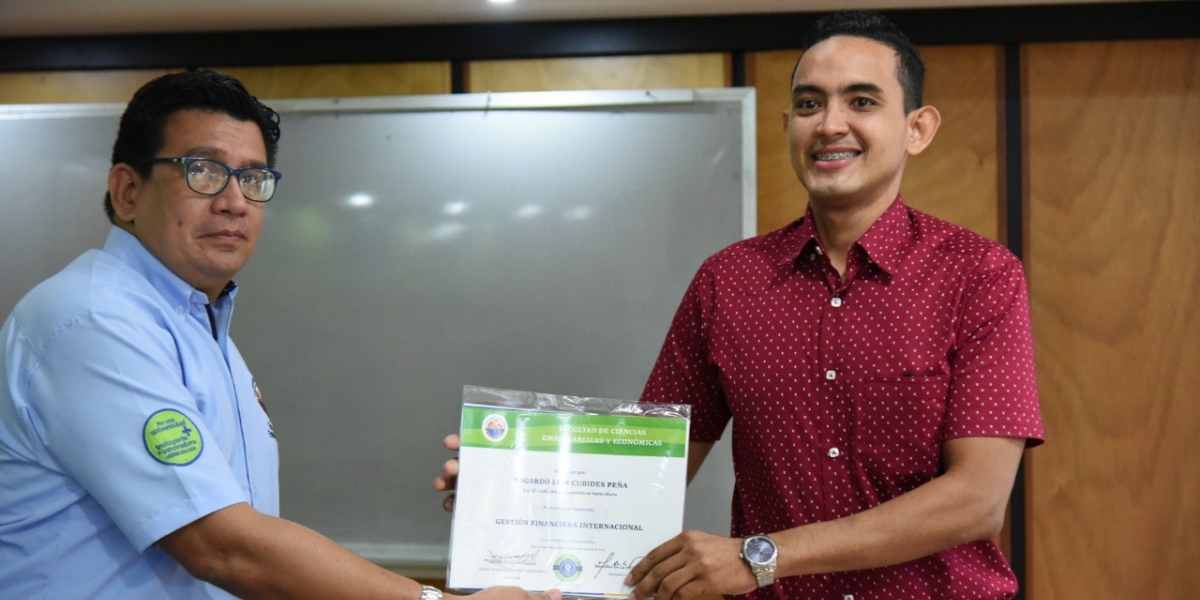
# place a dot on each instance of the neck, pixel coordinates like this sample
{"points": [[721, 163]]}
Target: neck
{"points": [[839, 228]]}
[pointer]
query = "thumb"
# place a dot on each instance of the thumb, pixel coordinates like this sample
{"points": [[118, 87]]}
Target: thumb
{"points": [[551, 594]]}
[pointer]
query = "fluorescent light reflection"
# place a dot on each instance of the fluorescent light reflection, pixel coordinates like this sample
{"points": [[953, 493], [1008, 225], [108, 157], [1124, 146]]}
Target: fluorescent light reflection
{"points": [[579, 213], [360, 200], [528, 211], [455, 208], [447, 231]]}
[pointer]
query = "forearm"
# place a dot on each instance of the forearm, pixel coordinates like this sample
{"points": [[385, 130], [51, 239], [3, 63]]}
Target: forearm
{"points": [[255, 556], [964, 505]]}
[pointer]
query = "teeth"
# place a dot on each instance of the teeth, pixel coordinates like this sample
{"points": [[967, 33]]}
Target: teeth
{"points": [[835, 155]]}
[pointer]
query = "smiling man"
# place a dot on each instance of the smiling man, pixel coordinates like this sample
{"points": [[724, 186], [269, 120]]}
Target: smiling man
{"points": [[137, 460], [876, 363]]}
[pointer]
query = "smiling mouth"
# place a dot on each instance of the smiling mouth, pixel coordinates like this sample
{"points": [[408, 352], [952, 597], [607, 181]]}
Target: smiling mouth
{"points": [[830, 156]]}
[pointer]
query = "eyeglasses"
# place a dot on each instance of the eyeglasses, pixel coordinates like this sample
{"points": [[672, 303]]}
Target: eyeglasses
{"points": [[209, 177]]}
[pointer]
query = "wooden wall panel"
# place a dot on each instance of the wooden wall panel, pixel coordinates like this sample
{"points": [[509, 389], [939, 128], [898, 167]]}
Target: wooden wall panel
{"points": [[54, 87], [1114, 265], [325, 81], [781, 198], [603, 73], [957, 178], [385, 79]]}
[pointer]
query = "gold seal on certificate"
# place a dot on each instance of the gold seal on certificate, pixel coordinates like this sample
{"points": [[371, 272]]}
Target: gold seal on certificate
{"points": [[564, 492]]}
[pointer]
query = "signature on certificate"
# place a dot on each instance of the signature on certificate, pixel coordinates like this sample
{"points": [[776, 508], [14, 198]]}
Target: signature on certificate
{"points": [[518, 559], [611, 562]]}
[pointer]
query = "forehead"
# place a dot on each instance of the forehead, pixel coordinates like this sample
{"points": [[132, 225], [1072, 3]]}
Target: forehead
{"points": [[842, 60], [214, 132]]}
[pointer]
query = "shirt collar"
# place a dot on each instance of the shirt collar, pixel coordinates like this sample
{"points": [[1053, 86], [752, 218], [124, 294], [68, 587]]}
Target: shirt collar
{"points": [[883, 243], [176, 291], [797, 238], [886, 241]]}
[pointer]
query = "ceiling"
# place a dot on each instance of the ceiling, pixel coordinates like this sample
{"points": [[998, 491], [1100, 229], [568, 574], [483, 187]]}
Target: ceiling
{"points": [[20, 18]]}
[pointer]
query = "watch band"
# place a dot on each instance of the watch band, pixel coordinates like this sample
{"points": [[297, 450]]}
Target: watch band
{"points": [[764, 571], [764, 574], [428, 592]]}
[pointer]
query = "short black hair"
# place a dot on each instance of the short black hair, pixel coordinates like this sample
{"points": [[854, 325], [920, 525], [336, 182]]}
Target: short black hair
{"points": [[141, 132], [910, 69]]}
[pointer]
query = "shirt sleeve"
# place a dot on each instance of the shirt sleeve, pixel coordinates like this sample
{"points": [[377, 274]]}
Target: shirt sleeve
{"points": [[684, 373], [91, 397], [993, 390]]}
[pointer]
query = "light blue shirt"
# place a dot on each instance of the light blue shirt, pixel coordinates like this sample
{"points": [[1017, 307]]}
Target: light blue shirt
{"points": [[126, 412]]}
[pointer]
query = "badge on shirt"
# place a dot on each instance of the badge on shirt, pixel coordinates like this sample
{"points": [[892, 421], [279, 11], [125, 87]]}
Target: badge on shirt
{"points": [[172, 438], [258, 394]]}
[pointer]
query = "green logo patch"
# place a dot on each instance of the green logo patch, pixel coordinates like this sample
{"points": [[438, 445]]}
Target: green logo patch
{"points": [[171, 438]]}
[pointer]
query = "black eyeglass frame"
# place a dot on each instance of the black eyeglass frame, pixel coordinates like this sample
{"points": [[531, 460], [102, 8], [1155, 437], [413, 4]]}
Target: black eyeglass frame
{"points": [[230, 173]]}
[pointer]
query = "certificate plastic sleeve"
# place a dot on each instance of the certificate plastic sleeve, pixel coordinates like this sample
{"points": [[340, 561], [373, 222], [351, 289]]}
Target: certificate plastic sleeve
{"points": [[564, 492]]}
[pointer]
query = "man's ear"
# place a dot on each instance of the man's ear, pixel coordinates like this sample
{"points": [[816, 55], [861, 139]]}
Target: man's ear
{"points": [[922, 126], [123, 185]]}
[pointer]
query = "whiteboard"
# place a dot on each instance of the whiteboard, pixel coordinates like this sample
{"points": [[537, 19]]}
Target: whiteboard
{"points": [[529, 241]]}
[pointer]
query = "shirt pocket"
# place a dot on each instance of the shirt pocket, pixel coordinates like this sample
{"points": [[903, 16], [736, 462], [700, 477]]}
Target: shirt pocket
{"points": [[898, 430]]}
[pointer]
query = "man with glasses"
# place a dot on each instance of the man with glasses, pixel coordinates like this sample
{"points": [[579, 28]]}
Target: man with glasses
{"points": [[136, 458]]}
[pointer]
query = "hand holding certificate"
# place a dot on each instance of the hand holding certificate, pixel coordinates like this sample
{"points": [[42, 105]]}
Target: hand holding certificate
{"points": [[564, 492]]}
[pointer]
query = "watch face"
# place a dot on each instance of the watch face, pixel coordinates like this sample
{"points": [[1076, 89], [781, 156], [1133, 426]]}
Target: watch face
{"points": [[759, 549]]}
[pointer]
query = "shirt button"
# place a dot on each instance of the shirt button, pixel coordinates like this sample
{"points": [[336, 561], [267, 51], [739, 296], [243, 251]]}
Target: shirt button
{"points": [[836, 302], [831, 374], [834, 453], [179, 310]]}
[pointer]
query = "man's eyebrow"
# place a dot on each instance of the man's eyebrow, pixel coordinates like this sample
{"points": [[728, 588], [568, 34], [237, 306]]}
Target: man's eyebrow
{"points": [[807, 89], [218, 155], [204, 152], [854, 88], [863, 88]]}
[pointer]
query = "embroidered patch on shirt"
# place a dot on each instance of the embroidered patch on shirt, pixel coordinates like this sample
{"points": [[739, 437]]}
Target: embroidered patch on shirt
{"points": [[258, 394], [171, 438]]}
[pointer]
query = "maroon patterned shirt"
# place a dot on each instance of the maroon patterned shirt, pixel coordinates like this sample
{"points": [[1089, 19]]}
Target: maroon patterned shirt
{"points": [[842, 394]]}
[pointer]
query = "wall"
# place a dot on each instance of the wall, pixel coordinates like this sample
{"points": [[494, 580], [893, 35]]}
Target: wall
{"points": [[1114, 269]]}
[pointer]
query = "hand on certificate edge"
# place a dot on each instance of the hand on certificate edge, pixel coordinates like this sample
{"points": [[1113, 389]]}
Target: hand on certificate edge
{"points": [[691, 564], [446, 482]]}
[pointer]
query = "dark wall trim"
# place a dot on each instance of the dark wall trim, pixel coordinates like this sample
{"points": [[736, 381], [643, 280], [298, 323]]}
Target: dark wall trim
{"points": [[547, 39], [737, 68], [1014, 233], [1013, 152], [458, 76]]}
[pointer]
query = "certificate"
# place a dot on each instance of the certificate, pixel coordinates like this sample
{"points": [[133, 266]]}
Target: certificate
{"points": [[562, 492]]}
